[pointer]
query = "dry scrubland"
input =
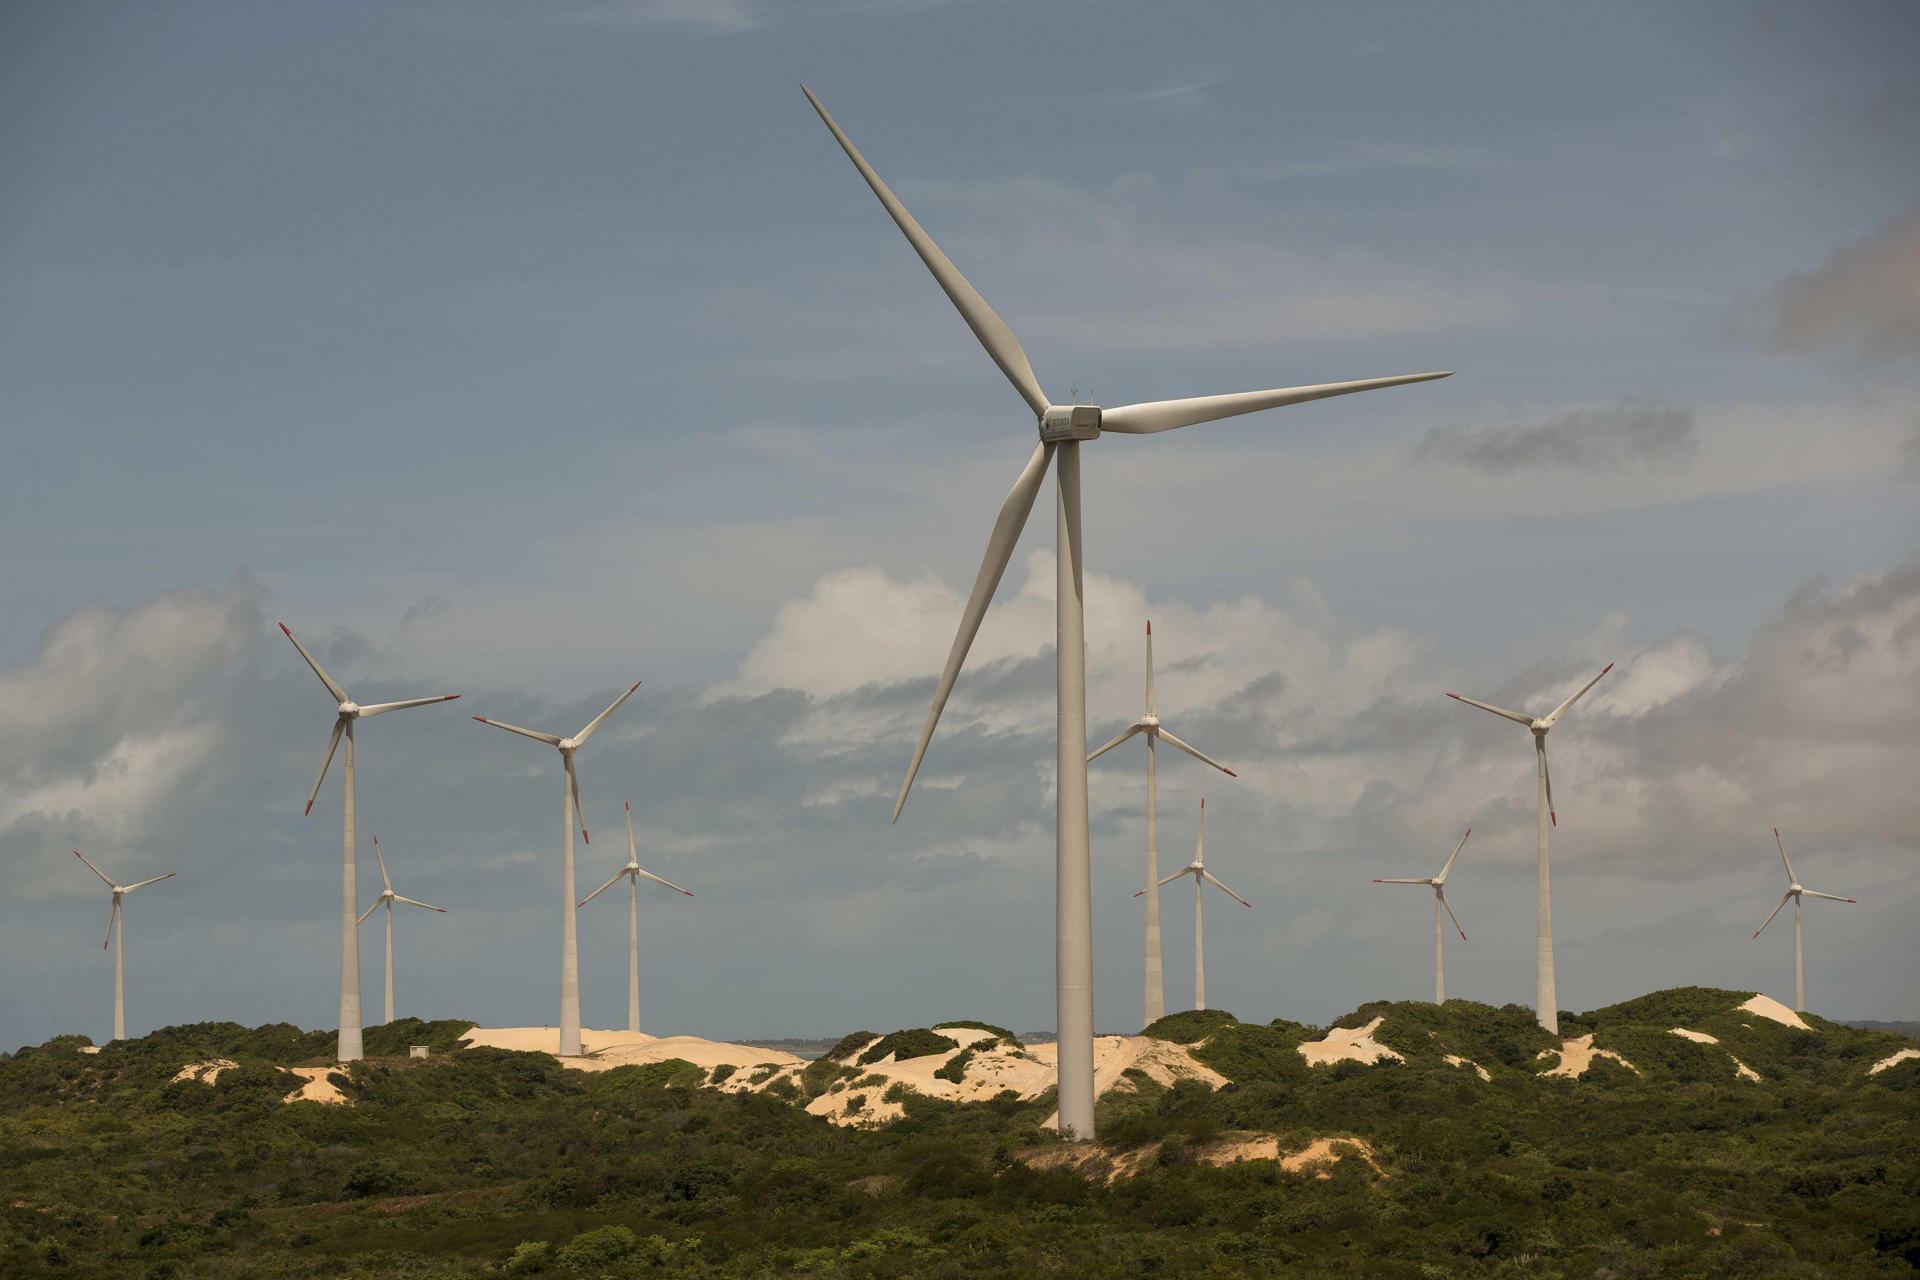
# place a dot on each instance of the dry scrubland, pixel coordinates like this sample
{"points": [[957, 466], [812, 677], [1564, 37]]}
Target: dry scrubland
{"points": [[1687, 1133]]}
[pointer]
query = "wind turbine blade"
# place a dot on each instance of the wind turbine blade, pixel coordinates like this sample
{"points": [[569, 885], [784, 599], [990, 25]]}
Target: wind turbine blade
{"points": [[381, 708], [1791, 878], [410, 902], [1116, 742], [113, 914], [1184, 871], [1000, 544], [992, 331], [144, 883], [97, 871], [1776, 911], [668, 883], [1828, 896], [1452, 917], [1546, 772], [370, 910], [1514, 716], [339, 727], [1197, 755], [580, 738], [1150, 710], [339, 694], [1425, 882], [1442, 877], [1165, 415], [1559, 710], [603, 888], [633, 855], [1230, 893], [381, 858], [552, 740], [579, 810]]}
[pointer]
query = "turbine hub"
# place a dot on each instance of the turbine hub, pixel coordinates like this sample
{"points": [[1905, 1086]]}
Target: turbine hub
{"points": [[1150, 721], [566, 744], [1070, 422], [349, 709]]}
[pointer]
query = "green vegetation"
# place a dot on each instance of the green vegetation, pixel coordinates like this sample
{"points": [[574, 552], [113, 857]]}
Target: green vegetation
{"points": [[850, 1044], [487, 1162], [955, 1068], [915, 1042]]}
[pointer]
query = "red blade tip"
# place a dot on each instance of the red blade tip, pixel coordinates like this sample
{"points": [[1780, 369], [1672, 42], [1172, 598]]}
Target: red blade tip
{"points": [[1230, 773], [1606, 668], [283, 627], [1454, 696], [309, 808]]}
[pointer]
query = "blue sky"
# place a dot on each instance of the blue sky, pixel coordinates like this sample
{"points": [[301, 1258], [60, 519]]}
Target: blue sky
{"points": [[524, 351]]}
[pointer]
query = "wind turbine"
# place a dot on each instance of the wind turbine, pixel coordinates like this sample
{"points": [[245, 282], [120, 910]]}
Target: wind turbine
{"points": [[387, 898], [633, 873], [1155, 1001], [349, 711], [1439, 885], [1062, 428], [116, 934], [1545, 1003], [569, 805], [1201, 877], [1795, 890]]}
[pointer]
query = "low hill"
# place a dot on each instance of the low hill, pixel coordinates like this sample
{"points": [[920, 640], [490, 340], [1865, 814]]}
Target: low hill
{"points": [[1689, 1132]]}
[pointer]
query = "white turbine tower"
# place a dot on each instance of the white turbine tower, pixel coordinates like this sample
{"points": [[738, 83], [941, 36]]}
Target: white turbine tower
{"points": [[1155, 1000], [1546, 1006], [387, 898], [349, 711], [1062, 428], [116, 934], [633, 873], [1795, 890], [569, 804], [1439, 886], [1201, 878]]}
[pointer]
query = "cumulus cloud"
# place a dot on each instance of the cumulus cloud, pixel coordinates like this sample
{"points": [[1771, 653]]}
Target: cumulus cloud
{"points": [[1867, 295], [1632, 435], [111, 722]]}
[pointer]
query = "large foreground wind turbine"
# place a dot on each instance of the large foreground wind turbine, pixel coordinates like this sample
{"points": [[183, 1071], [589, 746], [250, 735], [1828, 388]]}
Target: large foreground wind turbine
{"points": [[1062, 428], [1201, 878], [569, 805], [116, 934], [1439, 886], [1795, 890], [633, 873], [1545, 1002], [387, 898], [349, 711], [1155, 1002]]}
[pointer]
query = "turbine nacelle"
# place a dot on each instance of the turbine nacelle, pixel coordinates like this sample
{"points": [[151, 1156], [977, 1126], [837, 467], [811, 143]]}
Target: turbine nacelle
{"points": [[1149, 722], [349, 710], [1070, 422]]}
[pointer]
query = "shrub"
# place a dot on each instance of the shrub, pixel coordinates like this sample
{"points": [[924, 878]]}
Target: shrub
{"points": [[955, 1068], [375, 1177], [849, 1045], [915, 1042], [1190, 1025], [597, 1247], [530, 1256], [722, 1072]]}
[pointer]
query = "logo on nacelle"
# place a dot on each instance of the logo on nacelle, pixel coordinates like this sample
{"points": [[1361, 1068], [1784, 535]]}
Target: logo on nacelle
{"points": [[1070, 422]]}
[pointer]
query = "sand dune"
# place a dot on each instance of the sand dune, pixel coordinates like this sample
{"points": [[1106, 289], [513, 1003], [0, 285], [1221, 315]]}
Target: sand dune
{"points": [[1767, 1007], [1348, 1044], [1577, 1054]]}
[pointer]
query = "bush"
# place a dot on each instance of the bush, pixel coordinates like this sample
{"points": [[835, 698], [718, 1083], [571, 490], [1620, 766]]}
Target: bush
{"points": [[955, 1068], [916, 1042], [597, 1247], [369, 1178], [530, 1256], [849, 1045], [1190, 1025], [722, 1073]]}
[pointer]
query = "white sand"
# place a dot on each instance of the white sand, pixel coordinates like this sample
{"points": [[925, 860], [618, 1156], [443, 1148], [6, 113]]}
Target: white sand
{"points": [[609, 1049], [205, 1072], [1895, 1060], [317, 1087], [1744, 1071], [1348, 1043], [1767, 1007], [1454, 1060], [89, 1048], [1578, 1054]]}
